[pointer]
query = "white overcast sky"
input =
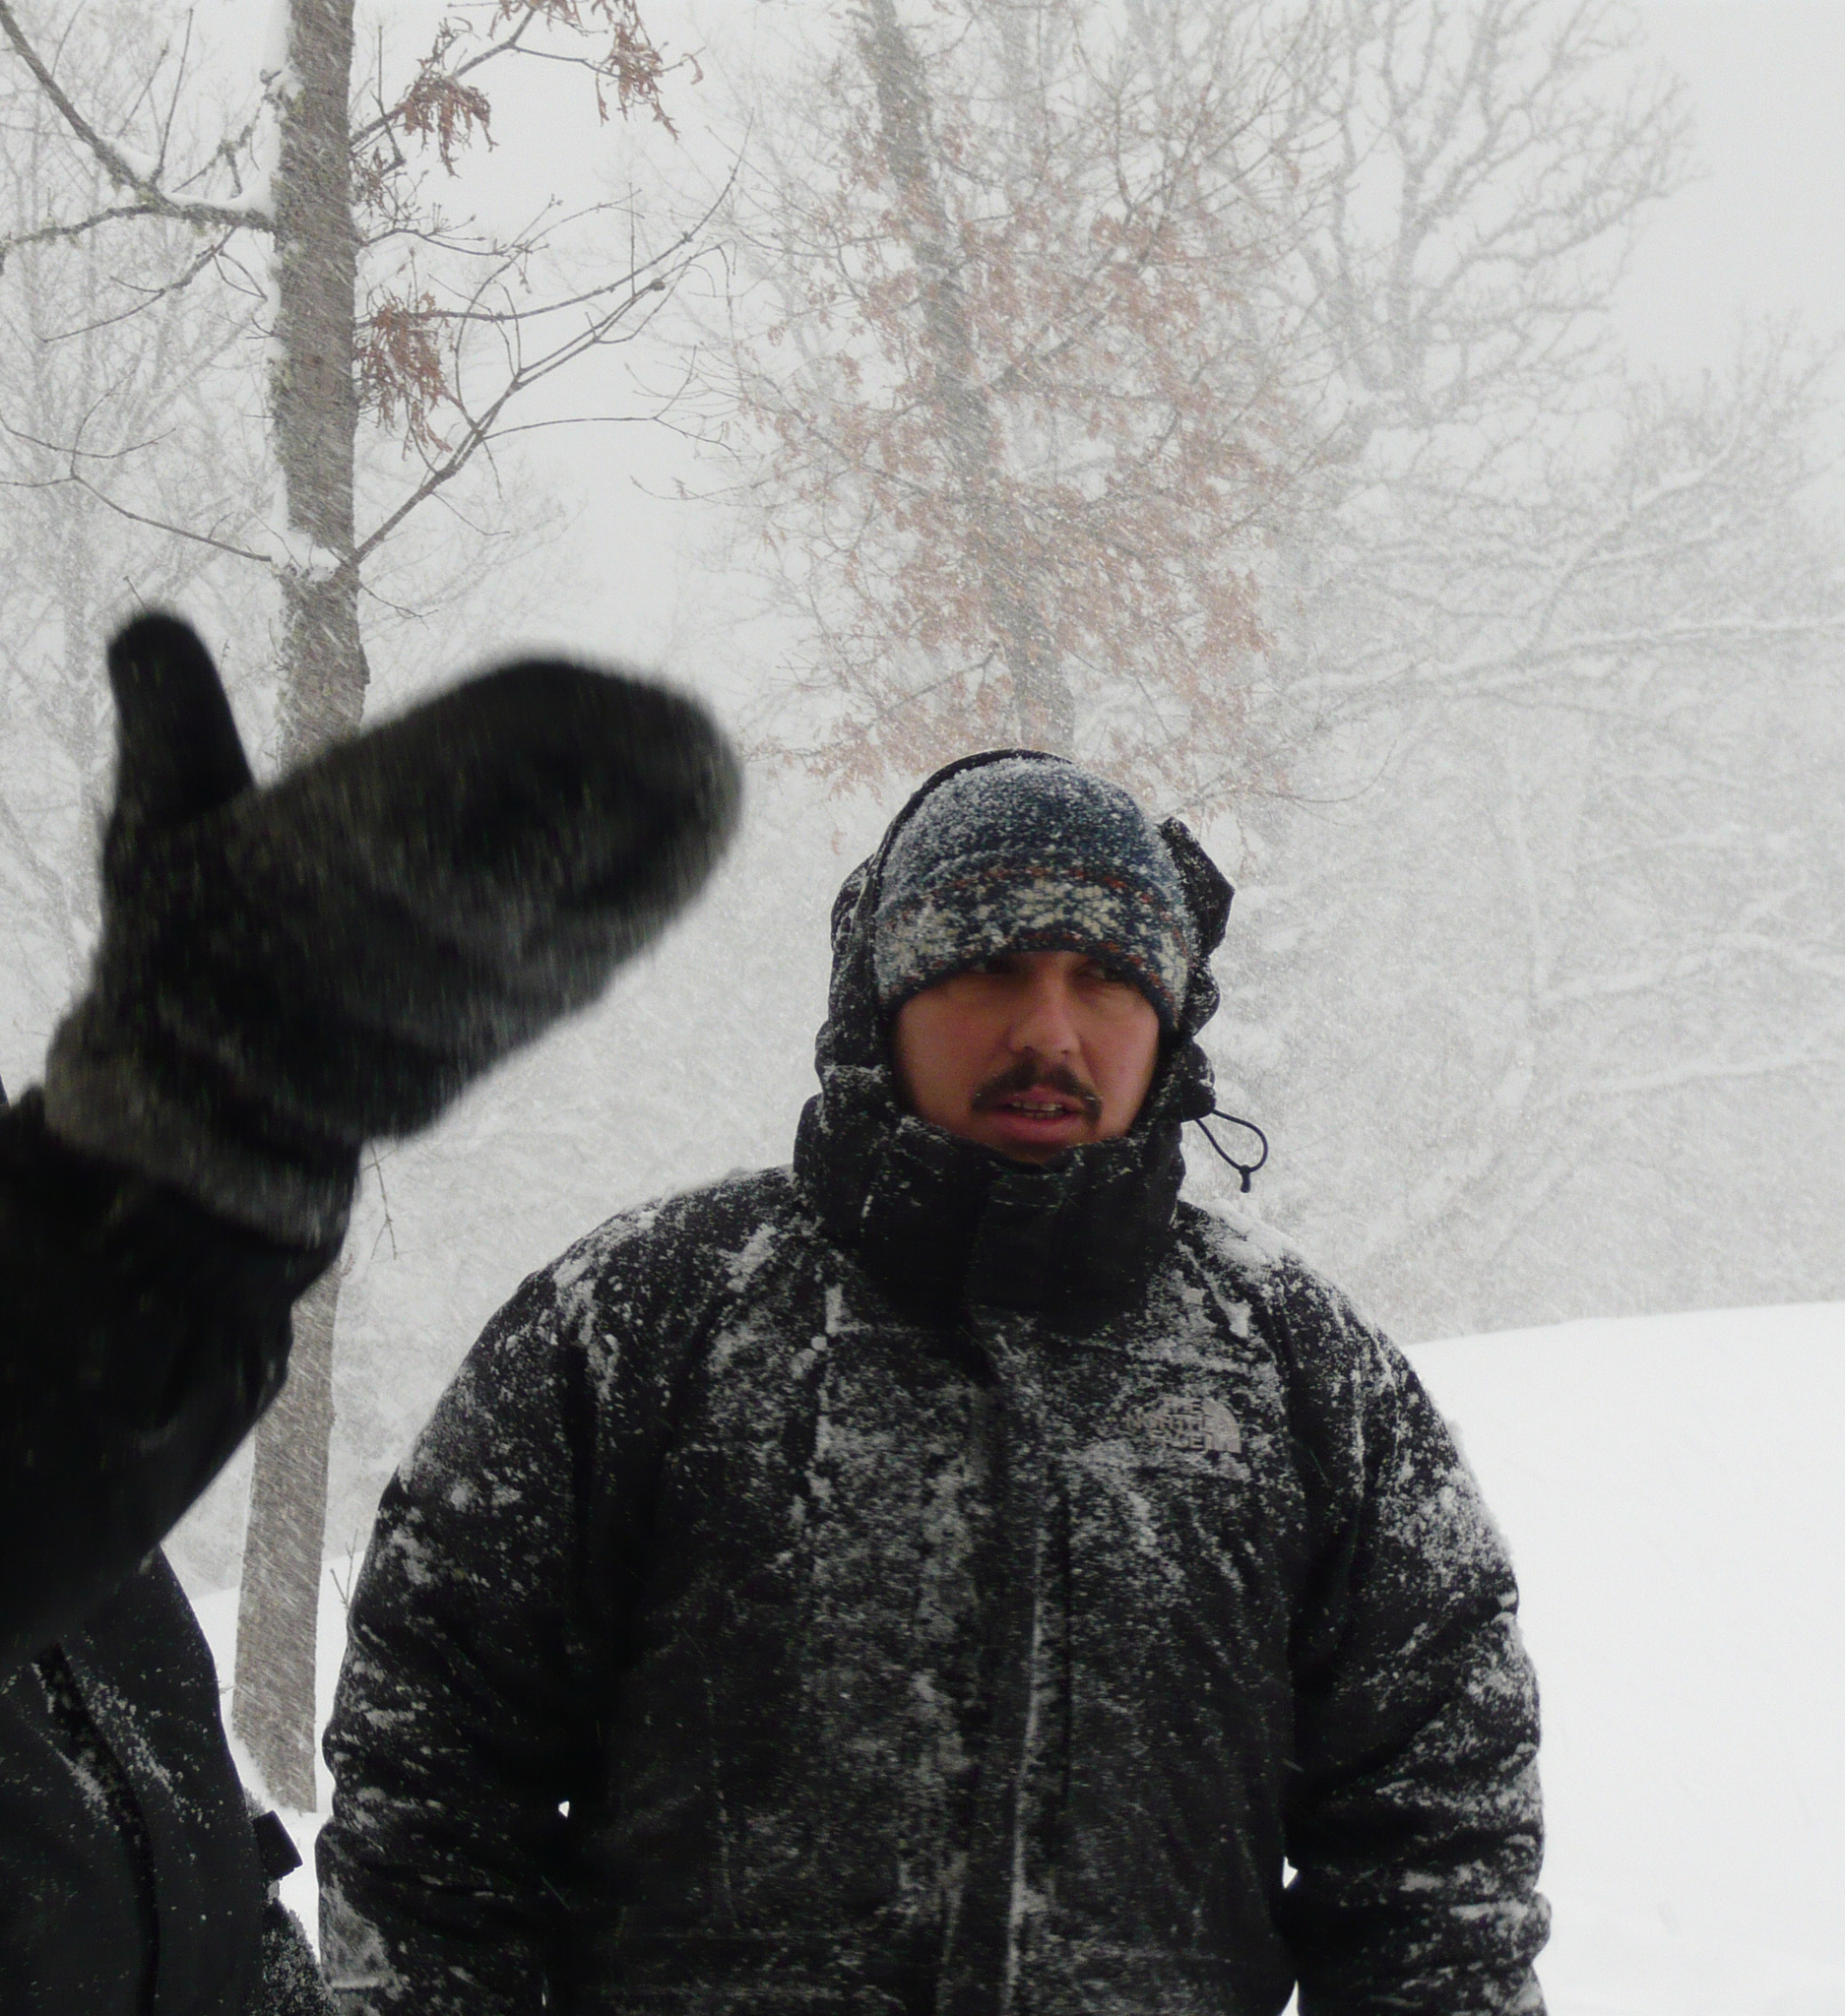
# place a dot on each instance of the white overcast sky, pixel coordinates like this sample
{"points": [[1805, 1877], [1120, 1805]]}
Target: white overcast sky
{"points": [[1765, 228]]}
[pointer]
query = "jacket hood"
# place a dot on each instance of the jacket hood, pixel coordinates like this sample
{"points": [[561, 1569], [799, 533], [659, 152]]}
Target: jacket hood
{"points": [[946, 1221]]}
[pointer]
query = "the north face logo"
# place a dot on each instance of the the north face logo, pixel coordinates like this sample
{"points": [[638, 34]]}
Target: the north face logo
{"points": [[1197, 1425]]}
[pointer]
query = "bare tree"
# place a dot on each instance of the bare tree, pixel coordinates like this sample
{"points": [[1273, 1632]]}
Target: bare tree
{"points": [[441, 362], [1493, 708], [1551, 629], [1028, 425], [1077, 334], [1583, 909], [117, 394]]}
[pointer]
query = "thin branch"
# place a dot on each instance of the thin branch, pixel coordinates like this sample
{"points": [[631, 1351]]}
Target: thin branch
{"points": [[49, 233], [172, 103], [179, 531], [149, 297], [386, 120], [153, 200], [589, 421], [481, 431]]}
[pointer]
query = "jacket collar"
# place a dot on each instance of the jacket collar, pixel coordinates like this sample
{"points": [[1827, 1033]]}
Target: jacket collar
{"points": [[946, 1223]]}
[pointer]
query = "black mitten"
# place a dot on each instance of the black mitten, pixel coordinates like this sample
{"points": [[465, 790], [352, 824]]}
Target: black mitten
{"points": [[284, 973]]}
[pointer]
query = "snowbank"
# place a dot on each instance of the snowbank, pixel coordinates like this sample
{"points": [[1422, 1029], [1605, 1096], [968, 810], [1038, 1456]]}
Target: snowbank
{"points": [[1672, 1491]]}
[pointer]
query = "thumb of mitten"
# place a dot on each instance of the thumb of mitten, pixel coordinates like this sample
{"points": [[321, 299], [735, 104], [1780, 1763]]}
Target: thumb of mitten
{"points": [[179, 761], [179, 752]]}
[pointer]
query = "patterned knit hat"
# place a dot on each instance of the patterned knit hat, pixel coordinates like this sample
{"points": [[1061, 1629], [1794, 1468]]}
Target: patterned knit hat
{"points": [[1028, 854]]}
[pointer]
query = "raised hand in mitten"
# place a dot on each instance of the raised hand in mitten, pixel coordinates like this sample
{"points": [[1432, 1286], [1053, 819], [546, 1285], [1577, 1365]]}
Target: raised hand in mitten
{"points": [[284, 973]]}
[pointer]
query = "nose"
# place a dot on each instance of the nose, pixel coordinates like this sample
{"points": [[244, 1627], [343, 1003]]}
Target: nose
{"points": [[1044, 1021]]}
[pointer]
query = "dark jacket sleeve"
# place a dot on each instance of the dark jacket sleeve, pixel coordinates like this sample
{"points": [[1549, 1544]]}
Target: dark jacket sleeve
{"points": [[479, 1640], [140, 1337], [1415, 1826], [456, 1717]]}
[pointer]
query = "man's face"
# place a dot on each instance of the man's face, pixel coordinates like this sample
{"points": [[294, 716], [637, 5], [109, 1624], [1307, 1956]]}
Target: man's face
{"points": [[1031, 1052]]}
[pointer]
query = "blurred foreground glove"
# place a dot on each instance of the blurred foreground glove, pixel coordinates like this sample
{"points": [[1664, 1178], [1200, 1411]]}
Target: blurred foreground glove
{"points": [[285, 974]]}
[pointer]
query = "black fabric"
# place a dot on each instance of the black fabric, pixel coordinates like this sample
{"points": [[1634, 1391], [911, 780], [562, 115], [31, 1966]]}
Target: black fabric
{"points": [[945, 1222], [276, 1852], [289, 1980], [287, 973], [140, 1339], [886, 1662], [129, 1879], [119, 1836]]}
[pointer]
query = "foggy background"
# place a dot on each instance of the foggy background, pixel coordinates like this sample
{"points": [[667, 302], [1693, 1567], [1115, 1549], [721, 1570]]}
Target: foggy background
{"points": [[1533, 976], [1527, 767]]}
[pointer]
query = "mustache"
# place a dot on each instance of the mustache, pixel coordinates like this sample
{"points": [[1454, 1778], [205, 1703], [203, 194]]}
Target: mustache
{"points": [[1027, 1075]]}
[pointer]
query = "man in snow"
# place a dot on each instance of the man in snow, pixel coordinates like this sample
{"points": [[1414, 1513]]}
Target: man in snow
{"points": [[949, 1575], [283, 974]]}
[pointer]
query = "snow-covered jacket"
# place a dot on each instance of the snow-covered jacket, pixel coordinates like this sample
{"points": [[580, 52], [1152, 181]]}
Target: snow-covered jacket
{"points": [[139, 1337], [918, 1581], [130, 1876]]}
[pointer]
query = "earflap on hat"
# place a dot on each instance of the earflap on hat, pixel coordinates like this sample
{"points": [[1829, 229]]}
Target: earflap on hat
{"points": [[846, 906], [1208, 897], [1208, 892]]}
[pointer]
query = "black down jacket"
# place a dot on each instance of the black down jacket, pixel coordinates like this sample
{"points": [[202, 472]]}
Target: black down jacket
{"points": [[130, 1883], [915, 1582], [139, 1340]]}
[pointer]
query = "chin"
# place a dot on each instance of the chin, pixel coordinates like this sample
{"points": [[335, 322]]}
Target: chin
{"points": [[1033, 1152]]}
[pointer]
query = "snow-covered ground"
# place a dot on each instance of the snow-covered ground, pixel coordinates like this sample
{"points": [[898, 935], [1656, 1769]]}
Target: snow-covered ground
{"points": [[1674, 1495]]}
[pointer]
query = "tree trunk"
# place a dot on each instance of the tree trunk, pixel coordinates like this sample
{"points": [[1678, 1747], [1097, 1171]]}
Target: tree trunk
{"points": [[314, 407], [272, 1706], [313, 399], [1043, 704]]}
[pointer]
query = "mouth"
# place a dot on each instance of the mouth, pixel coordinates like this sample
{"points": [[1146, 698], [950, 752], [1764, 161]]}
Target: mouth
{"points": [[1030, 1106]]}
